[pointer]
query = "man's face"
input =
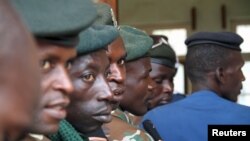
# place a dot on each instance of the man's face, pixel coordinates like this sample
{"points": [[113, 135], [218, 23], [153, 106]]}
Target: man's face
{"points": [[91, 100], [163, 77], [19, 77], [233, 77], [55, 62], [117, 53], [139, 86]]}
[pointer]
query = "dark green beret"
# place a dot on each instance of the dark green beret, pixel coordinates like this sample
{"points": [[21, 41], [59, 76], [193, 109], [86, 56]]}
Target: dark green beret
{"points": [[96, 37], [224, 39], [137, 42], [105, 15], [162, 53], [58, 20]]}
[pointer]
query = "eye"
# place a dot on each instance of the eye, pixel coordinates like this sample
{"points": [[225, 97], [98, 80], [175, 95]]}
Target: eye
{"points": [[108, 74], [88, 77], [121, 62], [46, 65], [158, 81], [69, 65], [171, 79]]}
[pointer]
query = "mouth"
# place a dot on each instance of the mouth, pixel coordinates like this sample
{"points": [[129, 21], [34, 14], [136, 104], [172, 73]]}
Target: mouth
{"points": [[165, 99], [104, 115], [149, 96], [118, 91], [57, 109], [163, 102]]}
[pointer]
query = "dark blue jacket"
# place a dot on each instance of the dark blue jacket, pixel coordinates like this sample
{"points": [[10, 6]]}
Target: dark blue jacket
{"points": [[188, 119]]}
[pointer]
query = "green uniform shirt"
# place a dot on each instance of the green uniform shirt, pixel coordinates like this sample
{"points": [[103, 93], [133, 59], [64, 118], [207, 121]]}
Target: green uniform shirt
{"points": [[121, 128]]}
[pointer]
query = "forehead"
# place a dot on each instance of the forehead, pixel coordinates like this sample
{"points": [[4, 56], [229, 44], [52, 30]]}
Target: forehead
{"points": [[96, 60], [116, 49], [46, 49], [236, 58], [162, 69], [139, 66]]}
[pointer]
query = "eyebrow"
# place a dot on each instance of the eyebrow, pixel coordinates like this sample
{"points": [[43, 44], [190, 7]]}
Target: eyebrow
{"points": [[50, 56], [92, 65], [55, 58]]}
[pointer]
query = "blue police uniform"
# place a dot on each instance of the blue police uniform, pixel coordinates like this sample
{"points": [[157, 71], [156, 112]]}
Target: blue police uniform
{"points": [[188, 119]]}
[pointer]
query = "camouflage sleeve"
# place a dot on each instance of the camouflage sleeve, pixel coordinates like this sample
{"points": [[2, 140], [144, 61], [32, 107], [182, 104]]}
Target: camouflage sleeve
{"points": [[138, 135], [119, 130], [133, 119], [149, 137], [121, 115]]}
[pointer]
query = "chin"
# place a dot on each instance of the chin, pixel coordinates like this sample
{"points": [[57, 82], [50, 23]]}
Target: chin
{"points": [[46, 129], [52, 129], [235, 99], [105, 119], [114, 106], [232, 99], [15, 137], [141, 112]]}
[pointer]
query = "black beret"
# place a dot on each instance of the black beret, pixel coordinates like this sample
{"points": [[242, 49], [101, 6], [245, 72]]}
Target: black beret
{"points": [[161, 52], [224, 39]]}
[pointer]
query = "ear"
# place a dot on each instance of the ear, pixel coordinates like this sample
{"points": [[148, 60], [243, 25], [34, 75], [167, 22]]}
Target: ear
{"points": [[220, 75]]}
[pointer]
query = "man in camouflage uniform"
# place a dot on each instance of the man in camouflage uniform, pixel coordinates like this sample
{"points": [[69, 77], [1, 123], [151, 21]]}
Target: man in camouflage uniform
{"points": [[90, 105], [137, 44], [117, 129]]}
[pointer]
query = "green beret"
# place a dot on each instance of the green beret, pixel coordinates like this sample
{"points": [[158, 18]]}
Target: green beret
{"points": [[162, 53], [56, 19], [105, 15], [96, 37], [137, 42]]}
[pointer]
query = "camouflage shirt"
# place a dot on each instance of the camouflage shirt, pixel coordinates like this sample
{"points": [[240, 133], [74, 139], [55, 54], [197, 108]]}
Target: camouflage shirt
{"points": [[121, 128]]}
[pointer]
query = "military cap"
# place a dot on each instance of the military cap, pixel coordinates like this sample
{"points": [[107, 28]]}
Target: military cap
{"points": [[105, 15], [137, 43], [161, 52], [56, 20], [96, 37], [224, 39]]}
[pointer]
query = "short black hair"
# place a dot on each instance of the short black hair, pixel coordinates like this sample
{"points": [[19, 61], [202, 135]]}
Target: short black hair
{"points": [[204, 58]]}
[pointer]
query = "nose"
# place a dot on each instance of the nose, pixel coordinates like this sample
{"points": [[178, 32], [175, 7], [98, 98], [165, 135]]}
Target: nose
{"points": [[63, 81], [106, 93], [151, 84], [167, 87], [117, 74], [243, 77]]}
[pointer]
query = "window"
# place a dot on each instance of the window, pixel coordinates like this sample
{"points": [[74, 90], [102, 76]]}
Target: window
{"points": [[244, 97], [179, 83], [244, 31], [176, 38]]}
